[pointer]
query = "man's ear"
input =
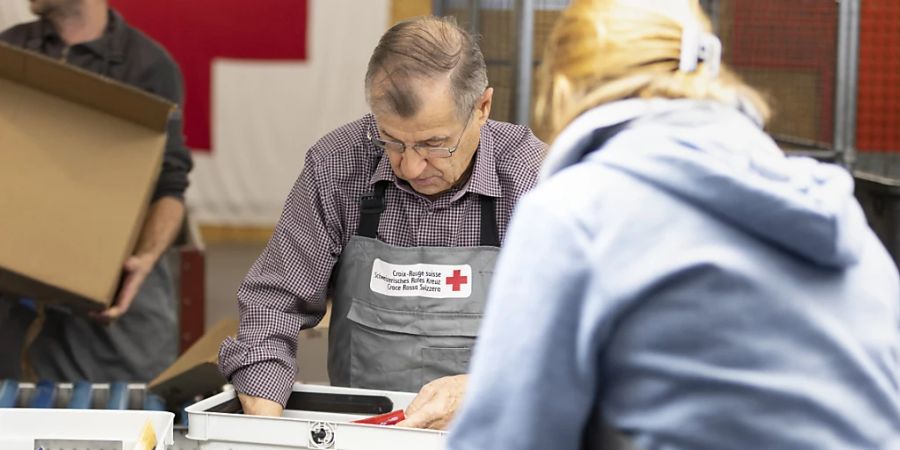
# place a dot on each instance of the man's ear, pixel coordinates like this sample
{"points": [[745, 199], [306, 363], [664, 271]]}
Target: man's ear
{"points": [[484, 105]]}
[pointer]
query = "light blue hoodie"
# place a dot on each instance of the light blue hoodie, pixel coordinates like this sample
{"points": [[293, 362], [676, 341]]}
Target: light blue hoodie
{"points": [[693, 288]]}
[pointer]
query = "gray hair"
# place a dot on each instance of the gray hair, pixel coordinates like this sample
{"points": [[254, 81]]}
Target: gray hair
{"points": [[425, 48]]}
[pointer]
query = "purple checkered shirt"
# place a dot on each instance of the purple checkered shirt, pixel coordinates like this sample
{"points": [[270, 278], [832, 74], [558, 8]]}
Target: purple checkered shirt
{"points": [[285, 290]]}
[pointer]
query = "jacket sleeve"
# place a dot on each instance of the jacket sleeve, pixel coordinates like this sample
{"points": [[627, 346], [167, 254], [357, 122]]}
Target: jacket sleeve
{"points": [[532, 383]]}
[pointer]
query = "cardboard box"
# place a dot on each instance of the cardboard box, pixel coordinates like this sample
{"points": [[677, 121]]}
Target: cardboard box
{"points": [[196, 371], [79, 157]]}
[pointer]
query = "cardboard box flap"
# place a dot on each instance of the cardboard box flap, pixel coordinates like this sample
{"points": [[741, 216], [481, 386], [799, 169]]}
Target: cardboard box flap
{"points": [[84, 87], [196, 371]]}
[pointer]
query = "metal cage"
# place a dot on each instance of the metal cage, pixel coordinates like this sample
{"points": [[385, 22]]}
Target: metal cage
{"points": [[830, 69], [809, 57]]}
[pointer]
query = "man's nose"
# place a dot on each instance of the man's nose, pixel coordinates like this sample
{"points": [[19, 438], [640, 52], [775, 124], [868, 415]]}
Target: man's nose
{"points": [[412, 165]]}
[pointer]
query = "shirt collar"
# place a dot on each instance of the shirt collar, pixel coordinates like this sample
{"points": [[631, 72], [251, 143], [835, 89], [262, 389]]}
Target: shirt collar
{"points": [[483, 181], [109, 46]]}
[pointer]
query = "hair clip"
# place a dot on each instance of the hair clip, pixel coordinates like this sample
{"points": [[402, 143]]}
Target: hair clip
{"points": [[699, 46]]}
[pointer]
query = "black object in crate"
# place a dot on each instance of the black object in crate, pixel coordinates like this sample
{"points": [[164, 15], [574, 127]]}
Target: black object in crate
{"points": [[322, 402], [880, 199]]}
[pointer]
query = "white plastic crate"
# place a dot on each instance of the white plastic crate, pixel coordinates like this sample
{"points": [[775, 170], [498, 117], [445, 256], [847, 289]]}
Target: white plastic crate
{"points": [[303, 429], [80, 429]]}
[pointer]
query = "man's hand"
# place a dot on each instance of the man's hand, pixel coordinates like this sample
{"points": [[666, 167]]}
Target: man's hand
{"points": [[436, 403], [258, 406], [137, 268], [160, 228]]}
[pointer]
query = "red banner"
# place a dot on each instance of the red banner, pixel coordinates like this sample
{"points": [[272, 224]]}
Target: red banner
{"points": [[198, 31]]}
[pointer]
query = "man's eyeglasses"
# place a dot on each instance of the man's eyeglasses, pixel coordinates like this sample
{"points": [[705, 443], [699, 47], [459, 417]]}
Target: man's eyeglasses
{"points": [[424, 150]]}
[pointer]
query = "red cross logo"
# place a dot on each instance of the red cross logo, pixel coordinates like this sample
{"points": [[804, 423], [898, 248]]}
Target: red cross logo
{"points": [[196, 32], [457, 280]]}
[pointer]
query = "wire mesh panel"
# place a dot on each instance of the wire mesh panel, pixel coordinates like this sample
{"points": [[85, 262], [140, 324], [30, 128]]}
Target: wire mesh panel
{"points": [[495, 22], [787, 50], [878, 119], [498, 33], [878, 102], [799, 53]]}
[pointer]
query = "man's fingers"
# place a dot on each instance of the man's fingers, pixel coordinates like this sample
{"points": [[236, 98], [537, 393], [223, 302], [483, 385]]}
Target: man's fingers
{"points": [[107, 315], [415, 421], [425, 396], [417, 415], [132, 263], [133, 282], [123, 301], [129, 289], [436, 403]]}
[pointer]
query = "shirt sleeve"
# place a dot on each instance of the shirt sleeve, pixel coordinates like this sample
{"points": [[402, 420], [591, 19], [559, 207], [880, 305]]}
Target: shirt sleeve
{"points": [[284, 292], [532, 383], [164, 79], [518, 168], [12, 35]]}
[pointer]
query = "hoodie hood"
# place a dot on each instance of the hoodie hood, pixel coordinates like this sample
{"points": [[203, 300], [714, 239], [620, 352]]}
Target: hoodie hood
{"points": [[716, 158]]}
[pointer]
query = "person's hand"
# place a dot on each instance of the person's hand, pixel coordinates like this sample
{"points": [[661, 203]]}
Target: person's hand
{"points": [[436, 403], [258, 406], [137, 268]]}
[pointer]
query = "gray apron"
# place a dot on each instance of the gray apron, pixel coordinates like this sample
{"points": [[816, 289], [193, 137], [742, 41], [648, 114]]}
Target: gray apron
{"points": [[70, 347], [404, 316]]}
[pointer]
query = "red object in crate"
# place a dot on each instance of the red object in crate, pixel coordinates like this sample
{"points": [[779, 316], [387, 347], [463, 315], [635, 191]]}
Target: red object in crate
{"points": [[391, 418]]}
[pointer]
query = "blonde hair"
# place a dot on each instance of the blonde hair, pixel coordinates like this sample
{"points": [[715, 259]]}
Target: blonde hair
{"points": [[606, 50]]}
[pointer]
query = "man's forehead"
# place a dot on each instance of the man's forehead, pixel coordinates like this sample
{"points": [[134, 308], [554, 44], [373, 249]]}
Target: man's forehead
{"points": [[432, 119], [419, 128], [389, 93]]}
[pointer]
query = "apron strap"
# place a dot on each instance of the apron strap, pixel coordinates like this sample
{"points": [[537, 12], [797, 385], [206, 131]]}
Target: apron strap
{"points": [[490, 236], [372, 205], [370, 208]]}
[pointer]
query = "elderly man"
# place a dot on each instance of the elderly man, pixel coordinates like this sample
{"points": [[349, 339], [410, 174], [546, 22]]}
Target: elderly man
{"points": [[399, 217], [137, 337]]}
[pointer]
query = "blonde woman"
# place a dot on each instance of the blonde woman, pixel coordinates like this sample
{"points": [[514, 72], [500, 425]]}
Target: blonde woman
{"points": [[674, 276]]}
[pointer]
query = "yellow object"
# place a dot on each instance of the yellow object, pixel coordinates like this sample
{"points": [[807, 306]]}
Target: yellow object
{"points": [[221, 233], [147, 440], [407, 9]]}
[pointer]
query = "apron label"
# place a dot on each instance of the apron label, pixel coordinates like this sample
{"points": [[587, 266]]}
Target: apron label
{"points": [[421, 280]]}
